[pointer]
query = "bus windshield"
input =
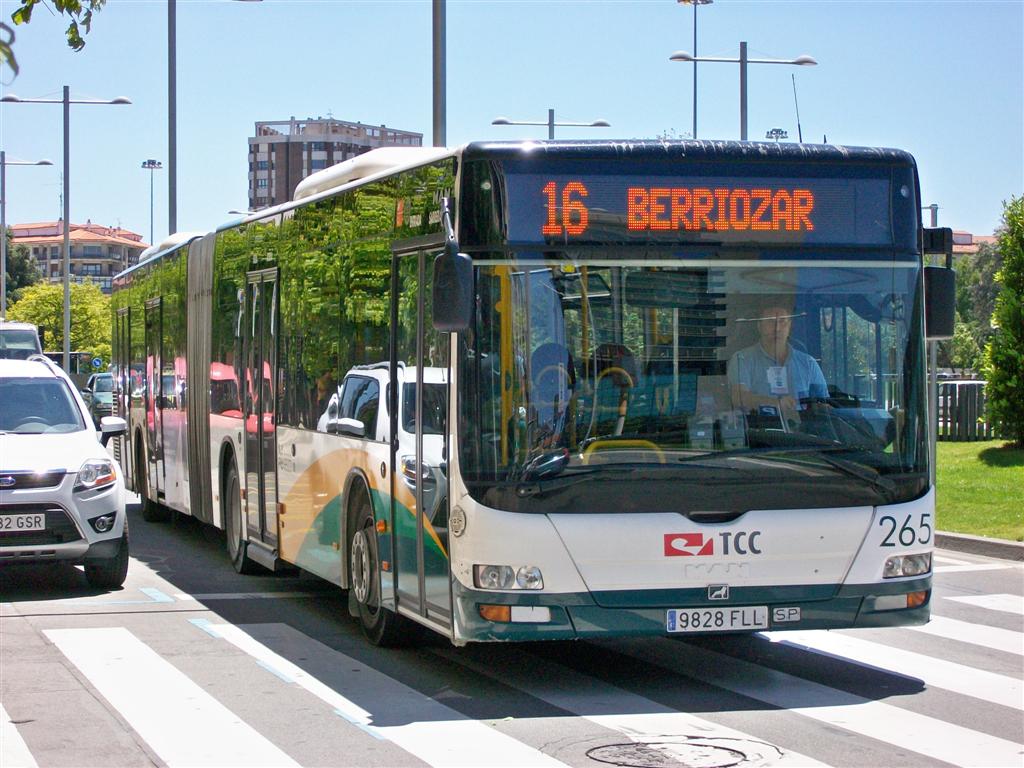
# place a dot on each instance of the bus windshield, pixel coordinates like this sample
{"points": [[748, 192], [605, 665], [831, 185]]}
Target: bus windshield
{"points": [[701, 379]]}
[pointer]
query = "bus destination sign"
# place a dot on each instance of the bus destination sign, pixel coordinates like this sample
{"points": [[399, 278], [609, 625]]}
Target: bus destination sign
{"points": [[600, 208]]}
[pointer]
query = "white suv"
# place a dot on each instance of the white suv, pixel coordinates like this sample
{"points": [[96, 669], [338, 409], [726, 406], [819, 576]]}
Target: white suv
{"points": [[62, 497]]}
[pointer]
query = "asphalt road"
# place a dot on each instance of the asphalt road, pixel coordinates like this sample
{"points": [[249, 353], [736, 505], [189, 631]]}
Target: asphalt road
{"points": [[191, 664]]}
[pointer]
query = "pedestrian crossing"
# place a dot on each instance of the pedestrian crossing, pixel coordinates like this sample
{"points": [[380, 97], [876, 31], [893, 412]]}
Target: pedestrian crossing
{"points": [[773, 699]]}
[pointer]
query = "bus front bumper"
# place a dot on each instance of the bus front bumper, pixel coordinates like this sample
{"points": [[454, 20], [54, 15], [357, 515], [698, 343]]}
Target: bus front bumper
{"points": [[540, 616]]}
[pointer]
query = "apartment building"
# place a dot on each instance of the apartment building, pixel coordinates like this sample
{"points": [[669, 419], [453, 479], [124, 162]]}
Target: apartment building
{"points": [[284, 152], [97, 252]]}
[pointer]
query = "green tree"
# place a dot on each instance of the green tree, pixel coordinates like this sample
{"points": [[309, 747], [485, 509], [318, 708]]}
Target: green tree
{"points": [[22, 270], [962, 351], [43, 305], [79, 11], [1004, 354]]}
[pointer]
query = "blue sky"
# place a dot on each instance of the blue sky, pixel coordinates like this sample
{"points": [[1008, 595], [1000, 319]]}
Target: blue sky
{"points": [[943, 80]]}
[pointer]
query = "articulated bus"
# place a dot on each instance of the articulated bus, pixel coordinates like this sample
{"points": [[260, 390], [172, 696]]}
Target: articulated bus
{"points": [[551, 390]]}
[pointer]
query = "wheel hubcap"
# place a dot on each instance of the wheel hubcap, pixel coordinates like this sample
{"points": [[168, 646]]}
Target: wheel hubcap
{"points": [[361, 567]]}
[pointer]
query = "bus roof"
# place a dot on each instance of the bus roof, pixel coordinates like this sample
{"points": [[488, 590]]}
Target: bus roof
{"points": [[694, 150]]}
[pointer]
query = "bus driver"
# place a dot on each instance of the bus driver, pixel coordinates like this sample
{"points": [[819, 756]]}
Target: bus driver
{"points": [[771, 377]]}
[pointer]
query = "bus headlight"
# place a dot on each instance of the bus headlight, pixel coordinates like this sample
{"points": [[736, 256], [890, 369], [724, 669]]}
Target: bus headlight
{"points": [[907, 565], [507, 577]]}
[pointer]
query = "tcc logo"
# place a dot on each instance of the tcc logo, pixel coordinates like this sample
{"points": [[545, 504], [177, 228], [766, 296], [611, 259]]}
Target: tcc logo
{"points": [[699, 545], [688, 545]]}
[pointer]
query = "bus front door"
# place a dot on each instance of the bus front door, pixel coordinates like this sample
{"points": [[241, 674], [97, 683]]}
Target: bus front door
{"points": [[259, 403], [154, 397], [419, 418]]}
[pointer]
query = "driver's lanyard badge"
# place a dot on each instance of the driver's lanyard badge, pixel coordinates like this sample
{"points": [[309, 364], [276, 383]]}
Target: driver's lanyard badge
{"points": [[777, 380]]}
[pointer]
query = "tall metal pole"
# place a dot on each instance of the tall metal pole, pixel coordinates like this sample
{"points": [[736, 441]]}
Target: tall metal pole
{"points": [[3, 237], [743, 91], [551, 124], [695, 70], [933, 384], [440, 106], [67, 229], [151, 206], [172, 119]]}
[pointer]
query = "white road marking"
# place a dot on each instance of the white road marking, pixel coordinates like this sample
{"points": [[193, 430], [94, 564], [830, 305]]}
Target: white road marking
{"points": [[995, 638], [14, 752], [938, 673], [161, 703], [936, 739], [1005, 603], [972, 567], [244, 595], [638, 718], [423, 727], [950, 560]]}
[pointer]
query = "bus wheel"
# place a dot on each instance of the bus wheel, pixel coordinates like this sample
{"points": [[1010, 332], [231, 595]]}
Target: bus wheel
{"points": [[381, 626], [151, 511], [234, 526]]}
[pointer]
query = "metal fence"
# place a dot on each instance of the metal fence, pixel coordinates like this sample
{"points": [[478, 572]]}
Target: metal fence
{"points": [[962, 412]]}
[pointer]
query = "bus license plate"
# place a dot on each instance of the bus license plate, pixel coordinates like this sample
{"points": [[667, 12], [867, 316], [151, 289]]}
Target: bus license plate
{"points": [[36, 522], [717, 619]]}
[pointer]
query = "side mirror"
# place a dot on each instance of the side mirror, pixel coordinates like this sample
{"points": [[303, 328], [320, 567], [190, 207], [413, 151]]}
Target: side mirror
{"points": [[453, 291], [112, 426], [939, 302], [350, 427]]}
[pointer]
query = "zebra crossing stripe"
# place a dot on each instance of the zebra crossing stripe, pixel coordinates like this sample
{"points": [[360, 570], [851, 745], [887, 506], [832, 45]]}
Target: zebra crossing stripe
{"points": [[994, 638], [167, 705], [937, 673], [425, 728], [936, 739], [640, 719], [1004, 603], [13, 750]]}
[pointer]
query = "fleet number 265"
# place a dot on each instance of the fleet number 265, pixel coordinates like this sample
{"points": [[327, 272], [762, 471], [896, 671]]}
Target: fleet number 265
{"points": [[906, 533]]}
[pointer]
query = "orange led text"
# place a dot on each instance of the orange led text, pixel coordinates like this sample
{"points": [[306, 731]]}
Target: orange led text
{"points": [[719, 209]]}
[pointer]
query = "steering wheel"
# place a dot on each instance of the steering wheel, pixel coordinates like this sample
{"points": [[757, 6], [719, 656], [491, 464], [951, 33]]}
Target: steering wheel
{"points": [[559, 373]]}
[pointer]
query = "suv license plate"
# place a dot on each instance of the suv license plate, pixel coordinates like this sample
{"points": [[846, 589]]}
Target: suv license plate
{"points": [[717, 619], [36, 522]]}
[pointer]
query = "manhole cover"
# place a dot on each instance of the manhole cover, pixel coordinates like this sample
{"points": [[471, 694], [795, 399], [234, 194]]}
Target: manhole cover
{"points": [[667, 754]]}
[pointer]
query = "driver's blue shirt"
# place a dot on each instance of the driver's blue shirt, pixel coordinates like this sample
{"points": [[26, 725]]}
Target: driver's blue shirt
{"points": [[802, 377]]}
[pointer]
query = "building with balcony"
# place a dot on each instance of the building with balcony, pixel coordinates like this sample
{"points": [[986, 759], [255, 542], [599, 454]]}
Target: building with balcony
{"points": [[97, 252], [284, 152]]}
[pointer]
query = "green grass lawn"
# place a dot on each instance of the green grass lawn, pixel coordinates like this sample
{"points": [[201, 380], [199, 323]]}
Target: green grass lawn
{"points": [[979, 489]]}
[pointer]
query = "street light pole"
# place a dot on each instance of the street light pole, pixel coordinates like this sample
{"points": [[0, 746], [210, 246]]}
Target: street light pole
{"points": [[743, 61], [4, 162], [695, 3], [66, 101], [172, 120], [550, 123], [151, 165], [439, 54]]}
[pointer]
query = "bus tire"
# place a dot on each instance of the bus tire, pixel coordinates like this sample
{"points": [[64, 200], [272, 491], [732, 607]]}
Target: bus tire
{"points": [[234, 525], [381, 626], [151, 511]]}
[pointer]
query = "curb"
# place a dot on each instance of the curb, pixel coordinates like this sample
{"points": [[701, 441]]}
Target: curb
{"points": [[979, 545]]}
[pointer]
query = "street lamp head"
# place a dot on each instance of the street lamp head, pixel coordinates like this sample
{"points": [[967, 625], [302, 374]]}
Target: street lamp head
{"points": [[152, 165], [11, 97], [501, 121], [695, 2], [44, 162], [681, 56], [601, 124], [805, 61], [120, 100]]}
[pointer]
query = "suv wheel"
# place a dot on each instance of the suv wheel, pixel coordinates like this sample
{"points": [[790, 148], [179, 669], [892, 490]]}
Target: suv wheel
{"points": [[111, 572]]}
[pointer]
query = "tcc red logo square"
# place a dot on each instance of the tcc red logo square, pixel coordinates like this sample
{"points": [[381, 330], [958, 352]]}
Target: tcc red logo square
{"points": [[688, 545]]}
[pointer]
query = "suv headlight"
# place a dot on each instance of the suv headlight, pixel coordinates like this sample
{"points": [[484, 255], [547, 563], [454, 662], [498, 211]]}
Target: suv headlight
{"points": [[95, 473]]}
